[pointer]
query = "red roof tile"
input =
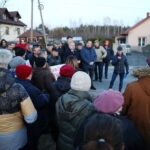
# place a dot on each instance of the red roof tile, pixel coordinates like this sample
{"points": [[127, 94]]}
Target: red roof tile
{"points": [[136, 25], [28, 34]]}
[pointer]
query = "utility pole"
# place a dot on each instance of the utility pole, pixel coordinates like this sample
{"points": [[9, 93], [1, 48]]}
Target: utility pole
{"points": [[3, 3], [31, 36], [40, 9]]}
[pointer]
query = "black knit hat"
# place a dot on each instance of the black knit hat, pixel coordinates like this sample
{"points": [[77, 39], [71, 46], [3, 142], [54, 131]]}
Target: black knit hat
{"points": [[79, 44], [119, 48], [19, 51], [68, 37], [55, 49], [40, 62]]}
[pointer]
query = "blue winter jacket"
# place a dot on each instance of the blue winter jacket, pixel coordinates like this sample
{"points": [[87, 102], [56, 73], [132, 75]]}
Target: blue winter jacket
{"points": [[88, 55], [38, 98], [41, 103]]}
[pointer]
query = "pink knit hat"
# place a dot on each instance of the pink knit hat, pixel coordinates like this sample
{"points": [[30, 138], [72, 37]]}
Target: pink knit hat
{"points": [[109, 101]]}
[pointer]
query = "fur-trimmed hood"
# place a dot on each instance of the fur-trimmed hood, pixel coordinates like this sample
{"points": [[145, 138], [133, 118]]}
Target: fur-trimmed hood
{"points": [[141, 72], [144, 79]]}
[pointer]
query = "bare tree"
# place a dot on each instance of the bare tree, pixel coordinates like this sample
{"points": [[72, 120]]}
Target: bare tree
{"points": [[3, 3]]}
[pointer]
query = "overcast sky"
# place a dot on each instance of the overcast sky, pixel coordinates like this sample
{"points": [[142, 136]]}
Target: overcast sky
{"points": [[75, 12]]}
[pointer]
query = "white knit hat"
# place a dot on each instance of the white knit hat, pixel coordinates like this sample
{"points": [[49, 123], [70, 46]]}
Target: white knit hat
{"points": [[5, 56], [81, 81]]}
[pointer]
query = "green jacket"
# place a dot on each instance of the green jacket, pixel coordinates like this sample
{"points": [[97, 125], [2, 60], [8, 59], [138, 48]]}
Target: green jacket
{"points": [[72, 109]]}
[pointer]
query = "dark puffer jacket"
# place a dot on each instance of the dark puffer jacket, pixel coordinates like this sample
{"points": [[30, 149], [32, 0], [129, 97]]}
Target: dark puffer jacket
{"points": [[62, 85], [88, 55], [72, 109], [120, 64], [54, 60], [74, 53], [41, 103], [110, 54], [132, 138]]}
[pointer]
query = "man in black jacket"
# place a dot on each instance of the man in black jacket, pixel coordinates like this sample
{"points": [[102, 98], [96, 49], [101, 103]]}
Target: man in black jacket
{"points": [[110, 54], [72, 51], [119, 62]]}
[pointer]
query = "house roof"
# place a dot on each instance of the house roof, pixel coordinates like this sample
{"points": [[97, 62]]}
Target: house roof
{"points": [[137, 25], [10, 22], [28, 34], [10, 17], [14, 13]]}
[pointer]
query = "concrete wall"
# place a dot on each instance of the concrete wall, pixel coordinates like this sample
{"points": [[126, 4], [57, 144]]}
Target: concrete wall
{"points": [[12, 32]]}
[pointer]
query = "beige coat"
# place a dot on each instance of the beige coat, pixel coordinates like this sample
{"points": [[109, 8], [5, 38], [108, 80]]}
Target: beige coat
{"points": [[100, 53]]}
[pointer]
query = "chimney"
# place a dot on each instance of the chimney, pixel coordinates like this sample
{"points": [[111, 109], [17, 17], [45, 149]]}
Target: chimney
{"points": [[148, 14]]}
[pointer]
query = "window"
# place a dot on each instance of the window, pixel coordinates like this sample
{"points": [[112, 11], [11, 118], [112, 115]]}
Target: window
{"points": [[142, 41], [18, 31], [7, 31], [139, 42], [16, 19], [4, 16]]}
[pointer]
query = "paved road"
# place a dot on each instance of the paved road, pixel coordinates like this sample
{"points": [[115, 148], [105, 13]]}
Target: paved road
{"points": [[136, 59]]}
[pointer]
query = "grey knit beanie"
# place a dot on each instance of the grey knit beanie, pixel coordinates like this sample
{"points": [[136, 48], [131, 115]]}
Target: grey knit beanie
{"points": [[5, 56], [16, 61]]}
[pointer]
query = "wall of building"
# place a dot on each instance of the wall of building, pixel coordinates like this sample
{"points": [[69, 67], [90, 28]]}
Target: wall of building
{"points": [[13, 34], [141, 31]]}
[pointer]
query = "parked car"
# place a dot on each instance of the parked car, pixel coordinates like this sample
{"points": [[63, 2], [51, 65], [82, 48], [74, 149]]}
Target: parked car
{"points": [[146, 50], [126, 49], [74, 39]]}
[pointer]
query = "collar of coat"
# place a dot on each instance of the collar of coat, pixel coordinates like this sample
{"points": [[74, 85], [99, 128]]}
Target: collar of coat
{"points": [[141, 72], [81, 94]]}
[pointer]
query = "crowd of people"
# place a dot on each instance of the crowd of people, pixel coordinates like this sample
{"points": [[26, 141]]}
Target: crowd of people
{"points": [[33, 102]]}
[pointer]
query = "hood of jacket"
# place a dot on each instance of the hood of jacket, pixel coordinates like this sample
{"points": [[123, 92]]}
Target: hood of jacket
{"points": [[63, 83], [141, 72], [73, 102], [144, 78], [6, 80]]}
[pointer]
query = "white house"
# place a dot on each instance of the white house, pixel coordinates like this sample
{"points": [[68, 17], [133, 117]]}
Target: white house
{"points": [[10, 25], [136, 36]]}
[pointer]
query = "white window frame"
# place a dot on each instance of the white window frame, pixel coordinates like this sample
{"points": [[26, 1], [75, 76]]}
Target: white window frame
{"points": [[142, 41]]}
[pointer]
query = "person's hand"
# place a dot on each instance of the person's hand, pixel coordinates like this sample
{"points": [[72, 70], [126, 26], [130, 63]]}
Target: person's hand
{"points": [[91, 63], [119, 57]]}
